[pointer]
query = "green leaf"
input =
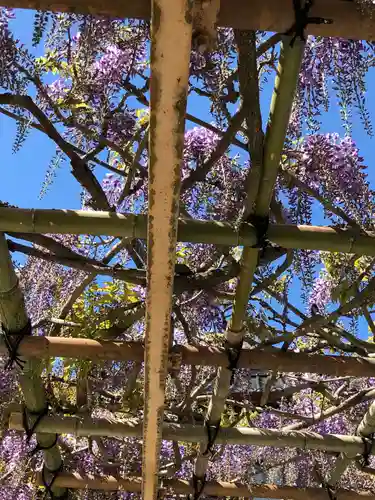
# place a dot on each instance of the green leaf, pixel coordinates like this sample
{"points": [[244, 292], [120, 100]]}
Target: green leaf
{"points": [[80, 105]]}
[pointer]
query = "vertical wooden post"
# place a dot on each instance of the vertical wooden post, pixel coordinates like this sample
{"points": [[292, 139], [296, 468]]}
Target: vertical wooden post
{"points": [[171, 31]]}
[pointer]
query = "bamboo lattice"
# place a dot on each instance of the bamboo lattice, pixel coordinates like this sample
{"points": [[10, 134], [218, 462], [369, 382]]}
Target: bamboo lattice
{"points": [[172, 25]]}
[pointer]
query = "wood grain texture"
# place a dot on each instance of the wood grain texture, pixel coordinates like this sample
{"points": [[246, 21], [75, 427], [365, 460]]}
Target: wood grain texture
{"points": [[267, 15]]}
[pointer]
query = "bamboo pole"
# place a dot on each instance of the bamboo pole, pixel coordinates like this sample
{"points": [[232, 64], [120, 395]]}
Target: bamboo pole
{"points": [[265, 15], [281, 105], [194, 231], [14, 317], [277, 360], [211, 488], [365, 429], [367, 425], [286, 81], [305, 440], [171, 32]]}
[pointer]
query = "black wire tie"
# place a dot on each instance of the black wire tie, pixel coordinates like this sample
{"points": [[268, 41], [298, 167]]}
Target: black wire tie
{"points": [[31, 430], [233, 354], [368, 443], [48, 485], [212, 432], [13, 345], [198, 485], [331, 492], [302, 20], [260, 224]]}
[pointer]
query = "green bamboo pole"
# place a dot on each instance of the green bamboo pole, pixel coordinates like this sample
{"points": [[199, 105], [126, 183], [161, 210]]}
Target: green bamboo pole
{"points": [[306, 440], [178, 487], [278, 360], [281, 106], [14, 317], [132, 226], [365, 429], [367, 425]]}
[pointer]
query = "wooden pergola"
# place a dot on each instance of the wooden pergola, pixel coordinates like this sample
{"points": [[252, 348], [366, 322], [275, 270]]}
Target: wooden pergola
{"points": [[173, 24]]}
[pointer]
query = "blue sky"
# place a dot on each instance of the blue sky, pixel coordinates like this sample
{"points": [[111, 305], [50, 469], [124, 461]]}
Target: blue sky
{"points": [[22, 174]]}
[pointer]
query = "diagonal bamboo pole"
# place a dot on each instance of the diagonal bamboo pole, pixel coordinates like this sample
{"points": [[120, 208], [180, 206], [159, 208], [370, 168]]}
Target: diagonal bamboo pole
{"points": [[367, 425], [14, 317], [365, 429], [195, 231], [212, 488], [278, 360], [281, 105], [352, 446], [171, 31]]}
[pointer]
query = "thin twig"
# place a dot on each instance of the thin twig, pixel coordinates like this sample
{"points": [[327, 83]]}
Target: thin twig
{"points": [[79, 151], [132, 169], [129, 275], [80, 170], [201, 172]]}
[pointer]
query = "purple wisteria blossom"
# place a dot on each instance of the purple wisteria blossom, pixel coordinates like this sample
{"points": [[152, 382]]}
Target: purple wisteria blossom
{"points": [[112, 65], [220, 194], [332, 64], [211, 67], [8, 48], [321, 292], [334, 168], [59, 88], [98, 81], [121, 127]]}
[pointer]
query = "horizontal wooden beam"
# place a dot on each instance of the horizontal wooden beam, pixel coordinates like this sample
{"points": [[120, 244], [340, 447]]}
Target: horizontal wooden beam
{"points": [[211, 488], [21, 220], [352, 446], [277, 360], [266, 15]]}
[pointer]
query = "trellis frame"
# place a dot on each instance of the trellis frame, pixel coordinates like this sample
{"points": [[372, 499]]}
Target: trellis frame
{"points": [[168, 95], [265, 15], [14, 318]]}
